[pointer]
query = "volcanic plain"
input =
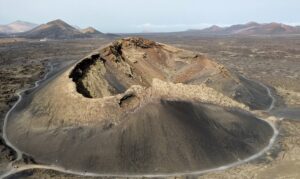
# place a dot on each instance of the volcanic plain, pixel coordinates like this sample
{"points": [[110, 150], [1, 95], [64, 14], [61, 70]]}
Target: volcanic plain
{"points": [[135, 106]]}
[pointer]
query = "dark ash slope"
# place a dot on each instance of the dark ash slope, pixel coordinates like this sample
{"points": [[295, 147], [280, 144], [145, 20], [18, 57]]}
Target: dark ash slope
{"points": [[163, 137]]}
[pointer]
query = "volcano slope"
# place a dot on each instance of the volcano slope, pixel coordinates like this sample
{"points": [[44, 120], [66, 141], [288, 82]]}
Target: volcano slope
{"points": [[140, 107]]}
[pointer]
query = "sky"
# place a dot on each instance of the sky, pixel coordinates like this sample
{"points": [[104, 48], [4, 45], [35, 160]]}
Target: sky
{"points": [[127, 16]]}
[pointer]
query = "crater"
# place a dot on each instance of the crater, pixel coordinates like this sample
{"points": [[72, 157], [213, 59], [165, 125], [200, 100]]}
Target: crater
{"points": [[140, 107], [137, 61]]}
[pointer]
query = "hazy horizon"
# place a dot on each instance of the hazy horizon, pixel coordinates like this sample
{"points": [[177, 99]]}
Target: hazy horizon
{"points": [[150, 16]]}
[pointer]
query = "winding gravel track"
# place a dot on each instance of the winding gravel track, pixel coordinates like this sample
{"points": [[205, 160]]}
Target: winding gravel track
{"points": [[270, 95], [19, 94]]}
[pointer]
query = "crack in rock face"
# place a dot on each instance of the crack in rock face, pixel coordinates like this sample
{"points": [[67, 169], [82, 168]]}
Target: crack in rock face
{"points": [[140, 107]]}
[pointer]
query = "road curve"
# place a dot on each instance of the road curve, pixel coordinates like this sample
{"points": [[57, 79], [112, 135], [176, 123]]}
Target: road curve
{"points": [[270, 95], [19, 94]]}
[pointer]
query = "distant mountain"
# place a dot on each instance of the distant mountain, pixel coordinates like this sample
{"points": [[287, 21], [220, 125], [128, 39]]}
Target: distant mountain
{"points": [[59, 29], [90, 30], [266, 29], [214, 28], [56, 29], [16, 27], [76, 27], [3, 35], [210, 29], [251, 28]]}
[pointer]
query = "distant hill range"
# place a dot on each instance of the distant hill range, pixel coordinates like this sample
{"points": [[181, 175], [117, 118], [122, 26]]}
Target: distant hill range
{"points": [[59, 29], [16, 27], [56, 29], [3, 35], [251, 28]]}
